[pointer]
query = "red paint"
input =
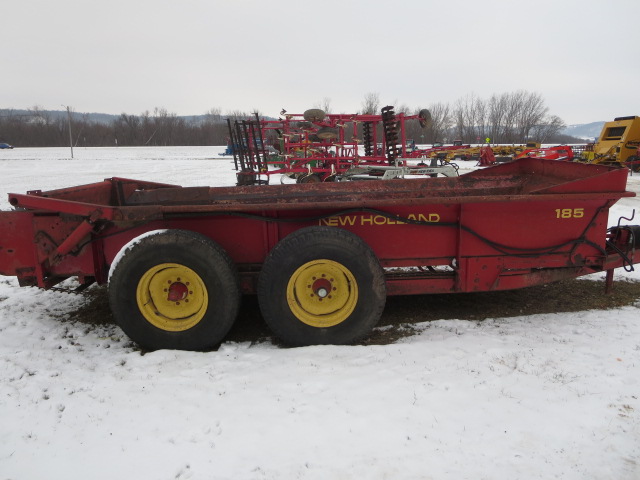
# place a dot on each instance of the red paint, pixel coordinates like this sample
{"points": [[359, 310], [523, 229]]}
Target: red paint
{"points": [[508, 226]]}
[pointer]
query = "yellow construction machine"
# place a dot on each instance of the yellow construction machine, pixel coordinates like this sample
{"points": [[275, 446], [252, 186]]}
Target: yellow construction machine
{"points": [[618, 144]]}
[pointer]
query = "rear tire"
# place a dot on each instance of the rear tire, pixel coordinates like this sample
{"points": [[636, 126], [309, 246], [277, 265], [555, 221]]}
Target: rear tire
{"points": [[177, 290], [321, 285]]}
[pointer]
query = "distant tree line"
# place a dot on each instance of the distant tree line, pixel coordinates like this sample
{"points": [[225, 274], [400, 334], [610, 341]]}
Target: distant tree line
{"points": [[515, 117], [40, 128]]}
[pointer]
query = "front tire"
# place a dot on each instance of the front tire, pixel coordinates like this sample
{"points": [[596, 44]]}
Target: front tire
{"points": [[321, 285], [175, 289]]}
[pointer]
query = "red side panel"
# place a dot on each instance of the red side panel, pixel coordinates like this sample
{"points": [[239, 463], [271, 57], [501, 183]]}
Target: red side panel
{"points": [[16, 242]]}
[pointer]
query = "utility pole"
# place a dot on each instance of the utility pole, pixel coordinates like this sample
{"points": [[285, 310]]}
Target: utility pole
{"points": [[70, 137]]}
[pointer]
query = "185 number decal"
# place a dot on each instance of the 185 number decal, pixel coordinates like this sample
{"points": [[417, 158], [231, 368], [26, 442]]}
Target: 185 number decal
{"points": [[569, 212]]}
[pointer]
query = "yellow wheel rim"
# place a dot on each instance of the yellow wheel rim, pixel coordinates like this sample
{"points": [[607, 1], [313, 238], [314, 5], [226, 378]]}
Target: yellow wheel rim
{"points": [[172, 297], [322, 293]]}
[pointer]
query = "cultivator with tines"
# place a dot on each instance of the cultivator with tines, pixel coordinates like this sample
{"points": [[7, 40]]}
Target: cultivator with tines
{"points": [[367, 139], [319, 147], [390, 128], [249, 153]]}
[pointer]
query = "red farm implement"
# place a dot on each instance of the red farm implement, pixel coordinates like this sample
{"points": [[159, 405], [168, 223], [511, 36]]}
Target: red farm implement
{"points": [[560, 152], [317, 147], [321, 257]]}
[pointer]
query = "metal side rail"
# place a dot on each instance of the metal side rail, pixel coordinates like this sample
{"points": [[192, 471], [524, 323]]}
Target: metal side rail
{"points": [[389, 173]]}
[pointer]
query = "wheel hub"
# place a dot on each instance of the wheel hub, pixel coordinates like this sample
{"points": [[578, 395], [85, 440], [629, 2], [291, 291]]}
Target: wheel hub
{"points": [[172, 297], [322, 293], [322, 287], [177, 291]]}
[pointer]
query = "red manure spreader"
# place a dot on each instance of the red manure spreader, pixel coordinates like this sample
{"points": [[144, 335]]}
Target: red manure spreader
{"points": [[322, 257]]}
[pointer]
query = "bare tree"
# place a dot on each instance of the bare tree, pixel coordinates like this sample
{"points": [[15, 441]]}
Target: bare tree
{"points": [[324, 105], [127, 129], [496, 116], [371, 103], [549, 128], [402, 108], [39, 115], [469, 118], [532, 112], [441, 122], [237, 115], [213, 115], [505, 118]]}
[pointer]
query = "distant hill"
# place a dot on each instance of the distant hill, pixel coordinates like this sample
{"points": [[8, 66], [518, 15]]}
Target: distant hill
{"points": [[587, 131], [103, 118]]}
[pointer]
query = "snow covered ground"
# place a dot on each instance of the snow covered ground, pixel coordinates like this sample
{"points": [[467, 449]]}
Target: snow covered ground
{"points": [[529, 397]]}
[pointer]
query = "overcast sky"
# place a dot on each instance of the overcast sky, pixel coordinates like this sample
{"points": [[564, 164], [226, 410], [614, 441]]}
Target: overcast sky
{"points": [[188, 56]]}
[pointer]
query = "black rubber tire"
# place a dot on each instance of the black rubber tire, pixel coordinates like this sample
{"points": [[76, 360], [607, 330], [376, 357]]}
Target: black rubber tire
{"points": [[314, 115], [321, 243], [327, 133], [424, 117], [188, 249], [309, 178]]}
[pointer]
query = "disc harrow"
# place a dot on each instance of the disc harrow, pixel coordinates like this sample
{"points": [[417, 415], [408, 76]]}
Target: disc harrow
{"points": [[320, 147]]}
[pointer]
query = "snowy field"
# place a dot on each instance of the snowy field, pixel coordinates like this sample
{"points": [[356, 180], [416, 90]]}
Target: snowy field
{"points": [[528, 397]]}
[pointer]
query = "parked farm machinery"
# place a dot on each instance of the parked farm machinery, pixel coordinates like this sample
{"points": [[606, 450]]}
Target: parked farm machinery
{"points": [[559, 152], [617, 145], [440, 151], [458, 151], [318, 147], [322, 258]]}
